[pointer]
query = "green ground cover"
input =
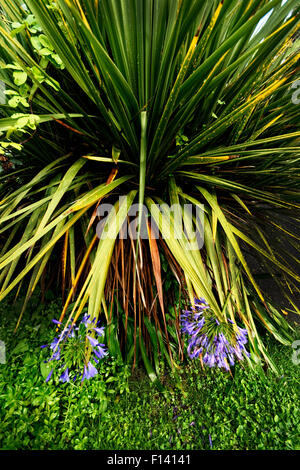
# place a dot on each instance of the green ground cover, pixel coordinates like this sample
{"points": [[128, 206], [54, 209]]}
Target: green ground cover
{"points": [[116, 410]]}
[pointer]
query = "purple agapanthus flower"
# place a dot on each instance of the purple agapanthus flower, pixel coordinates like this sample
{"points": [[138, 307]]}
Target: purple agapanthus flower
{"points": [[65, 376], [218, 343], [93, 341], [89, 372], [54, 343], [99, 331], [73, 333], [85, 319], [100, 351], [55, 356]]}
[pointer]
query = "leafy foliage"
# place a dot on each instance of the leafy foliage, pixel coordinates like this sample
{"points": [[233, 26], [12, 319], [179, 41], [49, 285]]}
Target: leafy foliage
{"points": [[117, 412], [169, 101]]}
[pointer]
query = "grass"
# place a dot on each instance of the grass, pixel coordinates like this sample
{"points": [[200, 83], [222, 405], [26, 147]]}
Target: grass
{"points": [[114, 411]]}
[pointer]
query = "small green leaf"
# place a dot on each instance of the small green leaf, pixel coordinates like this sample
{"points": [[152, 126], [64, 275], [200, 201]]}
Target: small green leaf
{"points": [[16, 25], [19, 77], [24, 89], [21, 347], [30, 20], [10, 92], [36, 42], [16, 100], [11, 66], [45, 51], [18, 29], [45, 369], [45, 42]]}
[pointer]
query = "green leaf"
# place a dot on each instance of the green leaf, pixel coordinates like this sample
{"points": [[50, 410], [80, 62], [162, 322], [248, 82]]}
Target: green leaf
{"points": [[45, 369], [16, 101], [21, 347], [36, 42], [45, 42], [20, 78]]}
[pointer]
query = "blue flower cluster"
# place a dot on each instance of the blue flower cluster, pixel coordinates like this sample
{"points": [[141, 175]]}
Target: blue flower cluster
{"points": [[219, 344], [78, 335]]}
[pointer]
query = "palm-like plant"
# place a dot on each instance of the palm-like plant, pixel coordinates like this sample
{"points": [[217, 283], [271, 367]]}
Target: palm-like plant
{"points": [[162, 101]]}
